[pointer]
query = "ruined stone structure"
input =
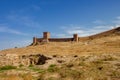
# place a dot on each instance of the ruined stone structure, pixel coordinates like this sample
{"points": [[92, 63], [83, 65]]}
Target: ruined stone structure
{"points": [[46, 38], [25, 59]]}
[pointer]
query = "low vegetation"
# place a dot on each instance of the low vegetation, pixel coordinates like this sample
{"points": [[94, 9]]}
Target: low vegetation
{"points": [[91, 67], [95, 58], [8, 67]]}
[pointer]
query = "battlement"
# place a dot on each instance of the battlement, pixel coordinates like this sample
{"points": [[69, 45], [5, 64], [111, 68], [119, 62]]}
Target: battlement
{"points": [[46, 38], [46, 35]]}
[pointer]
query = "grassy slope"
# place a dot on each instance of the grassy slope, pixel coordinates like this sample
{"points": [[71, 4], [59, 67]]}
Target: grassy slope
{"points": [[104, 45], [91, 67], [86, 67], [106, 42]]}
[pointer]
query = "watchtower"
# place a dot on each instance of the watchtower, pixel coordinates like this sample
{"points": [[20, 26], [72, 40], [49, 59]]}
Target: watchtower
{"points": [[75, 37], [34, 40], [46, 36]]}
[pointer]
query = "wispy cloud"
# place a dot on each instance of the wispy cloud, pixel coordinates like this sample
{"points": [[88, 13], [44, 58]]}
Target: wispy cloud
{"points": [[13, 43], [118, 17], [116, 21], [27, 9], [59, 35], [83, 31], [27, 21], [5, 29], [98, 22], [86, 31], [22, 43]]}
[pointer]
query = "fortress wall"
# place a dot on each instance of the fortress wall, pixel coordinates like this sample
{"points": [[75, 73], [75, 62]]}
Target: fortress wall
{"points": [[83, 38], [46, 38], [39, 39], [60, 39]]}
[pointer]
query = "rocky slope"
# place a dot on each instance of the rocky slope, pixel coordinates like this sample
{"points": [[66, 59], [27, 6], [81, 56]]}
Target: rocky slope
{"points": [[103, 43], [97, 56]]}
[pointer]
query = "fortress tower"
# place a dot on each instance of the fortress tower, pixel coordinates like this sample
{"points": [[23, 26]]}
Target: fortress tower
{"points": [[75, 37], [46, 36], [34, 40]]}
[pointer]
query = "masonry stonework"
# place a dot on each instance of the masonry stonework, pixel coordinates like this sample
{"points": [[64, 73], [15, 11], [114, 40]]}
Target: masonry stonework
{"points": [[46, 38], [75, 36], [34, 40], [46, 35]]}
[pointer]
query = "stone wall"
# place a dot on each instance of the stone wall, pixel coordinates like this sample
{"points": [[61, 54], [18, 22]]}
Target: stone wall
{"points": [[60, 39], [46, 38]]}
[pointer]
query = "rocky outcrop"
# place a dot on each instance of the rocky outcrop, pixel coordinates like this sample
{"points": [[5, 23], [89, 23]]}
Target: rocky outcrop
{"points": [[26, 60]]}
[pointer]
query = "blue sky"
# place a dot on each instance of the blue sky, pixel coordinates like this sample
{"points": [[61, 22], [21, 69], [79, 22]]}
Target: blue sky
{"points": [[20, 20]]}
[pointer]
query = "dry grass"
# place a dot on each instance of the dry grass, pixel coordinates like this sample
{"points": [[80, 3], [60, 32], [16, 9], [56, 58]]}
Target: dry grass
{"points": [[17, 77], [102, 45], [96, 59], [86, 67]]}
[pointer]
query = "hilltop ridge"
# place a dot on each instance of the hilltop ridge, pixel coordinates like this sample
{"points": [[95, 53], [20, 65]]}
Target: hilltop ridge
{"points": [[46, 37], [97, 56], [112, 32], [104, 42]]}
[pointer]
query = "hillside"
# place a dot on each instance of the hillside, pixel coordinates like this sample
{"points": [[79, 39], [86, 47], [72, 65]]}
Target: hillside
{"points": [[105, 42], [95, 57], [112, 32]]}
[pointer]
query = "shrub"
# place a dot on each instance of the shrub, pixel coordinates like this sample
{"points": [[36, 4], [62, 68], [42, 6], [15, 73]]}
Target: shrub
{"points": [[30, 65], [21, 65], [52, 68], [52, 65], [8, 67], [37, 69]]}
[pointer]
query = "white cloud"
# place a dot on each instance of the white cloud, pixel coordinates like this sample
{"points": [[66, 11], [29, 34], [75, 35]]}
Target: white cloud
{"points": [[22, 43], [12, 31], [98, 29], [98, 22], [84, 31], [74, 31], [117, 21], [60, 35], [13, 44], [68, 30], [118, 17]]}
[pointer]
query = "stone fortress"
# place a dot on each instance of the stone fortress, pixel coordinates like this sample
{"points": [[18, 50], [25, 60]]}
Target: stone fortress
{"points": [[46, 38], [75, 38]]}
